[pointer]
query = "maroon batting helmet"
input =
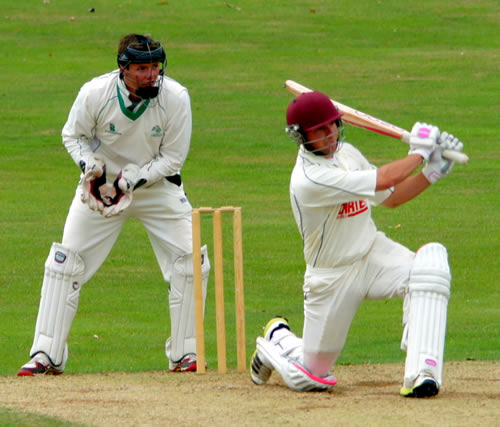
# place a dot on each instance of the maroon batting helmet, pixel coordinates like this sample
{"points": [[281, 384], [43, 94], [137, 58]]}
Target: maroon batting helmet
{"points": [[311, 110]]}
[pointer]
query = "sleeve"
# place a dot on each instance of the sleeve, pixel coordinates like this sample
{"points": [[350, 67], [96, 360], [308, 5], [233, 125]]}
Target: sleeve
{"points": [[175, 143], [77, 133], [380, 196]]}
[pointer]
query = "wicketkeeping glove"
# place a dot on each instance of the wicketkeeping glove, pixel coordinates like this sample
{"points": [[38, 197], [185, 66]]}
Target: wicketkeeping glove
{"points": [[124, 186], [438, 167], [94, 177], [423, 139]]}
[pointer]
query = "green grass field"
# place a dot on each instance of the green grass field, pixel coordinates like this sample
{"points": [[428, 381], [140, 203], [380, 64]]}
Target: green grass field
{"points": [[433, 61]]}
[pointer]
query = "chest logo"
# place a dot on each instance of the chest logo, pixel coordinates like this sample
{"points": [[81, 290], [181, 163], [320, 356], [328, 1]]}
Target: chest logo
{"points": [[112, 129], [156, 131], [351, 209]]}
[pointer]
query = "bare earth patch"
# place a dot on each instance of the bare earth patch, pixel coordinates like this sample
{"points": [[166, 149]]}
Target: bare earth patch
{"points": [[365, 395]]}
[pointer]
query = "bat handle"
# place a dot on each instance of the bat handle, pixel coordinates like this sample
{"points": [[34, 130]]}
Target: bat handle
{"points": [[455, 156]]}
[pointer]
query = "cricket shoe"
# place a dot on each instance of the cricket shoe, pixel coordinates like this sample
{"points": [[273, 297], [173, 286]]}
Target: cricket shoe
{"points": [[424, 386], [186, 364], [260, 369], [259, 372], [39, 365]]}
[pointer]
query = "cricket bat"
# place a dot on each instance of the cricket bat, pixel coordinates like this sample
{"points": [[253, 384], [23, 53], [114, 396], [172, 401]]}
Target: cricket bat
{"points": [[365, 121]]}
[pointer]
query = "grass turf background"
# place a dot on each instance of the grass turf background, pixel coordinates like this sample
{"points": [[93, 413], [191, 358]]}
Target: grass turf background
{"points": [[432, 61]]}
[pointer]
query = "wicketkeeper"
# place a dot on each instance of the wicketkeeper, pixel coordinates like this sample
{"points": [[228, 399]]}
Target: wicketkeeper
{"points": [[129, 132], [332, 190]]}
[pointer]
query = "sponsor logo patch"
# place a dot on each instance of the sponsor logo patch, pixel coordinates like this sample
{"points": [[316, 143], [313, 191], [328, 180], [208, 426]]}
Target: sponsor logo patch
{"points": [[350, 209]]}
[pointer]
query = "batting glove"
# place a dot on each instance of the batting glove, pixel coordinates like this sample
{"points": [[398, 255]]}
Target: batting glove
{"points": [[423, 139], [124, 186], [94, 178], [438, 167]]}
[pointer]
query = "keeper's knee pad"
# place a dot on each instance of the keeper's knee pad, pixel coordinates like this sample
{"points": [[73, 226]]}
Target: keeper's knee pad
{"points": [[181, 299], [428, 294], [64, 272]]}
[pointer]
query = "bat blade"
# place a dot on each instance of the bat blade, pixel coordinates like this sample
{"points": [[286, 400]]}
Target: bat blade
{"points": [[365, 121]]}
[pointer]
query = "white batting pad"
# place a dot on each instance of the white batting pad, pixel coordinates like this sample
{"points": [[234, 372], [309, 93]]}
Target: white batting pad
{"points": [[64, 270], [295, 375], [429, 292], [181, 298]]}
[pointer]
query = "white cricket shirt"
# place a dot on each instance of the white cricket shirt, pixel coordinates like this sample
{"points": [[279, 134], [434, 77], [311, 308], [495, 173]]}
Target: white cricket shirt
{"points": [[155, 136], [331, 202]]}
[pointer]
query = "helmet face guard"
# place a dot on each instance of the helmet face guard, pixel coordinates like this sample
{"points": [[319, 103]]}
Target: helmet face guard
{"points": [[144, 51], [299, 137]]}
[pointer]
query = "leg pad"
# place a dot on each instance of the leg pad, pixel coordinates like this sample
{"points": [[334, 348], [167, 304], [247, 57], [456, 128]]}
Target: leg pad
{"points": [[428, 293], [181, 300], [64, 271]]}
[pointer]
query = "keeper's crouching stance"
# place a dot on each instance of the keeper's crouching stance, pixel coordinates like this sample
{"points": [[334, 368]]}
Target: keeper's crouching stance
{"points": [[332, 190], [129, 133]]}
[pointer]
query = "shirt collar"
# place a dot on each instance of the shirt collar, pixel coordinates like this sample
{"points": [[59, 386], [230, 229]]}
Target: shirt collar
{"points": [[314, 158], [126, 93]]}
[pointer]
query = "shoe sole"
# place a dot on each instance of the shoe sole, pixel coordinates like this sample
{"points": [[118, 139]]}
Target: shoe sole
{"points": [[190, 368], [27, 373]]}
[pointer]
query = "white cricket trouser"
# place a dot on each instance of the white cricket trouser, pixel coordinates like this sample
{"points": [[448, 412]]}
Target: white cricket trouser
{"points": [[332, 296], [163, 209]]}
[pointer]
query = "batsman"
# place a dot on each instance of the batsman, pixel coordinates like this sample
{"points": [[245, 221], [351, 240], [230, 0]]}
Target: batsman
{"points": [[332, 190], [129, 132]]}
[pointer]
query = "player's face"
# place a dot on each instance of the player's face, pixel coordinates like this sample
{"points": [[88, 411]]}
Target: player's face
{"points": [[324, 139], [141, 75]]}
